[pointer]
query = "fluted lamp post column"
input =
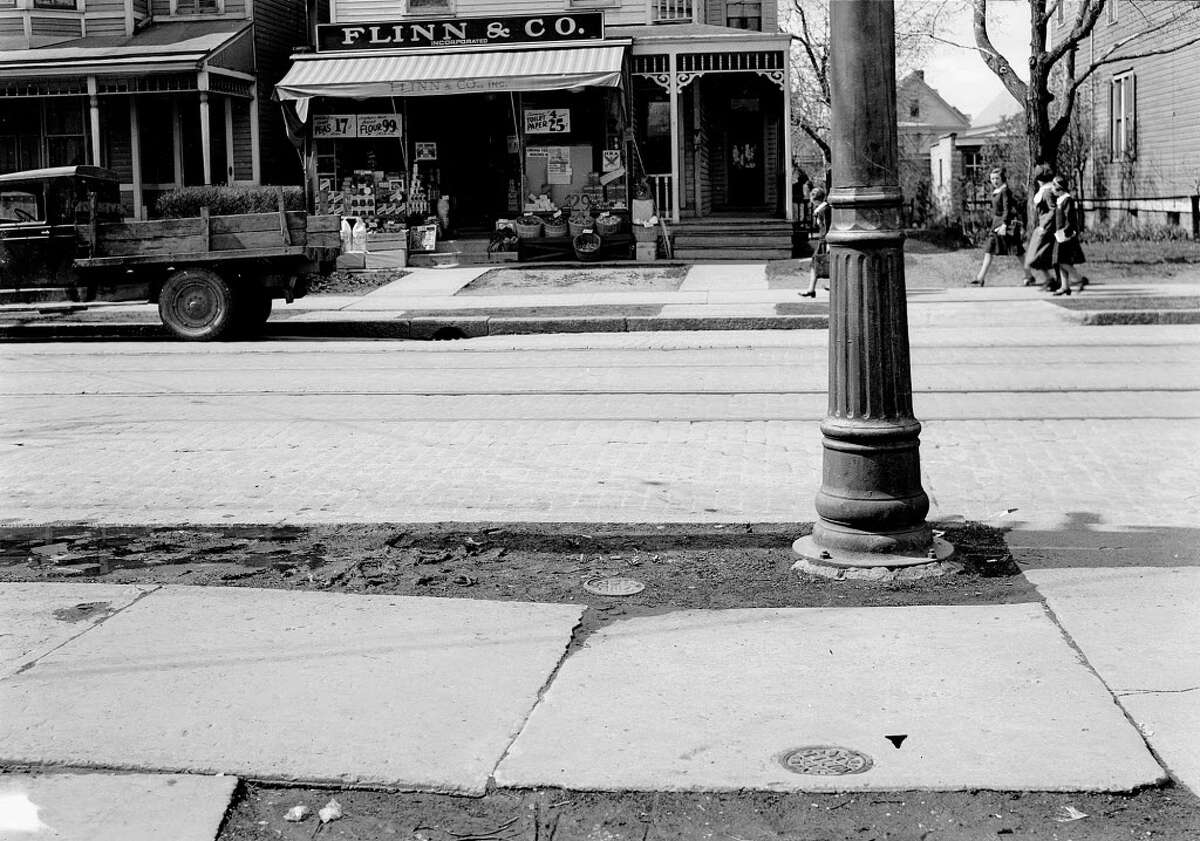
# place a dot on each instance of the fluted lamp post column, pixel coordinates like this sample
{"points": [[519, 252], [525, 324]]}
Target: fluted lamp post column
{"points": [[871, 504]]}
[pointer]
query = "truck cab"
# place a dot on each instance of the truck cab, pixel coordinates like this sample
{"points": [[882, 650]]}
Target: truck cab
{"points": [[39, 212]]}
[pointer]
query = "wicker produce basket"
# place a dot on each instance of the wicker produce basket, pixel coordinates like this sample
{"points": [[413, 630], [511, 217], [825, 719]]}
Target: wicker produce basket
{"points": [[587, 246], [641, 233], [606, 225], [528, 227], [579, 223], [554, 228]]}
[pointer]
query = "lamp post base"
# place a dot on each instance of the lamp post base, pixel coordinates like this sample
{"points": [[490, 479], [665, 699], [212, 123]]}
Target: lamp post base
{"points": [[843, 565]]}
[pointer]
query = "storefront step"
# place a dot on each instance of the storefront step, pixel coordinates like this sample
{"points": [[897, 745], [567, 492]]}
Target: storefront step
{"points": [[740, 255]]}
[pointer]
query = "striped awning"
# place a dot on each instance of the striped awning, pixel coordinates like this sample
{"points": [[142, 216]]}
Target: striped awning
{"points": [[434, 74]]}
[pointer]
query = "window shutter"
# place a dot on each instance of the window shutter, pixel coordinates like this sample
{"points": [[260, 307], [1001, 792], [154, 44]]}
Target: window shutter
{"points": [[1131, 116]]}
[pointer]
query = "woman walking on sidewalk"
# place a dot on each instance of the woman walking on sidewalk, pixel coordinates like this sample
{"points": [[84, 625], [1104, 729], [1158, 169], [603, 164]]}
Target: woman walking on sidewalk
{"points": [[1067, 251], [822, 215], [1003, 219], [1039, 253]]}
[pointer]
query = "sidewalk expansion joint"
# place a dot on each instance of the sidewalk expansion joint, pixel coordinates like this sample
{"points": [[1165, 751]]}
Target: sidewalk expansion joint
{"points": [[1115, 697], [27, 666]]}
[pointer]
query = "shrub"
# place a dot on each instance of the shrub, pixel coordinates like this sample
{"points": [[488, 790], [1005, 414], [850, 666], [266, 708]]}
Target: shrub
{"points": [[186, 202], [1131, 231]]}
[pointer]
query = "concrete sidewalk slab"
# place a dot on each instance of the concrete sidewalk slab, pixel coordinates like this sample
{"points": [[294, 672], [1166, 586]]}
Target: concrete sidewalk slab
{"points": [[734, 276], [1140, 630], [37, 619], [415, 693], [113, 807], [987, 697], [718, 310], [427, 282]]}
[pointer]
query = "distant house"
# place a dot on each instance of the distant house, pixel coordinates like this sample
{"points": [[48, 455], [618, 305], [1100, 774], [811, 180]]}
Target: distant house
{"points": [[165, 92], [922, 117], [1145, 161], [959, 164]]}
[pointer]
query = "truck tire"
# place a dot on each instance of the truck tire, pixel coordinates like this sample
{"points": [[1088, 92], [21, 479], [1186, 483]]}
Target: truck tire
{"points": [[197, 305], [251, 309]]}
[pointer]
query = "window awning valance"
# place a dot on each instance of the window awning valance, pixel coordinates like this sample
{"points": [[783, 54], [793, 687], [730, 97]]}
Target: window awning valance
{"points": [[433, 74]]}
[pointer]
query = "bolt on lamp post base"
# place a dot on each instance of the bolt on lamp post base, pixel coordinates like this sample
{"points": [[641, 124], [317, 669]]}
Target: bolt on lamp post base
{"points": [[843, 565]]}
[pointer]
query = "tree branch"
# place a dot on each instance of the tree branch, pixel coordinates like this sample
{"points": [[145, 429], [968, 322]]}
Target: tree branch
{"points": [[1085, 22], [995, 62]]}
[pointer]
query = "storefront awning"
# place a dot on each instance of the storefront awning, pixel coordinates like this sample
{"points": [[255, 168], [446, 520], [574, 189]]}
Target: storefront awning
{"points": [[433, 74]]}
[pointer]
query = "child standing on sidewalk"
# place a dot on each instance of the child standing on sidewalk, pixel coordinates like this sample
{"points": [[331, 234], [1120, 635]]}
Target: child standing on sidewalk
{"points": [[822, 215]]}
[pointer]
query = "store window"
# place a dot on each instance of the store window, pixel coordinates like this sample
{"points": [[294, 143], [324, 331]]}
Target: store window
{"points": [[744, 16], [20, 135], [1122, 109], [66, 133], [68, 5], [423, 6]]}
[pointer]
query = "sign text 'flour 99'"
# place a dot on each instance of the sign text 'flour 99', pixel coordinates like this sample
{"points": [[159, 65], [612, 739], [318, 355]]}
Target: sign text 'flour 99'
{"points": [[460, 32]]}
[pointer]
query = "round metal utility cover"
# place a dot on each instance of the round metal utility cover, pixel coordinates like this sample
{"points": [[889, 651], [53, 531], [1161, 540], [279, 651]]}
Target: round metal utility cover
{"points": [[614, 586], [826, 761]]}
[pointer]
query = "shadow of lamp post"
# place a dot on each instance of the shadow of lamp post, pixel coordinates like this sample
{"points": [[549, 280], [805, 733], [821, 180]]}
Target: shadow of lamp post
{"points": [[871, 505]]}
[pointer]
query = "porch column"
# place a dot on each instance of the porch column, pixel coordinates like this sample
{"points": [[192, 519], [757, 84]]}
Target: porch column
{"points": [[205, 126], [94, 118], [135, 158], [255, 154], [871, 506], [675, 136], [789, 199], [230, 160]]}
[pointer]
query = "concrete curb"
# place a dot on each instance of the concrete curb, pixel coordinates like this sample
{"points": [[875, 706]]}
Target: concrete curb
{"points": [[454, 327]]}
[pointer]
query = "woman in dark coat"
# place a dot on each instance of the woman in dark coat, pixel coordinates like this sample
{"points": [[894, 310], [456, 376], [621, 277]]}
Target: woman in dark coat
{"points": [[822, 215], [1003, 214], [1067, 251], [1039, 253]]}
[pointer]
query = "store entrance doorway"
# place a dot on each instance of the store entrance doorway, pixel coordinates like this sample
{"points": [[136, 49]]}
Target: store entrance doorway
{"points": [[474, 163]]}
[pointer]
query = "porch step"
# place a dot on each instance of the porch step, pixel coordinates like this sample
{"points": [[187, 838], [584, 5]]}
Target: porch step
{"points": [[731, 255], [731, 239]]}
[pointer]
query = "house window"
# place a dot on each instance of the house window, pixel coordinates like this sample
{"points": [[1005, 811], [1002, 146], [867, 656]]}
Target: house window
{"points": [[197, 7], [744, 16], [1059, 13], [1110, 11], [941, 180], [1173, 218], [66, 135], [1122, 109], [973, 169], [914, 109], [69, 5], [430, 6]]}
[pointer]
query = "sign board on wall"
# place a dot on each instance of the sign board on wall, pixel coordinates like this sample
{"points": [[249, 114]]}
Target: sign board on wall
{"points": [[460, 32], [330, 126], [547, 121], [426, 151]]}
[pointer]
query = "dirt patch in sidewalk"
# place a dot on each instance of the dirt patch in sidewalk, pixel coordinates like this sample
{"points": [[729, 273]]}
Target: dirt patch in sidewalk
{"points": [[577, 280], [557, 815], [353, 282]]}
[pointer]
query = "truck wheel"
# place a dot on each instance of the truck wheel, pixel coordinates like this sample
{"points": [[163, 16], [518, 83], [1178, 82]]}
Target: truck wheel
{"points": [[252, 308], [196, 304]]}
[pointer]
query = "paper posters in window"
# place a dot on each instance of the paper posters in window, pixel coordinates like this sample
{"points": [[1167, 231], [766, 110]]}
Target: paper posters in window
{"points": [[426, 151], [328, 126]]}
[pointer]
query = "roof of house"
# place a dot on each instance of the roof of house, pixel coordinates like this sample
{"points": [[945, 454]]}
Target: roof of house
{"points": [[916, 79]]}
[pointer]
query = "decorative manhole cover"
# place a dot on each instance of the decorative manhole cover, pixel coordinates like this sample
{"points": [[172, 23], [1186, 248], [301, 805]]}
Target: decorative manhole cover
{"points": [[826, 761], [613, 586]]}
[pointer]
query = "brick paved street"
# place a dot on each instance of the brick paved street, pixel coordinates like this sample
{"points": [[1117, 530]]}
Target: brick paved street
{"points": [[1071, 426]]}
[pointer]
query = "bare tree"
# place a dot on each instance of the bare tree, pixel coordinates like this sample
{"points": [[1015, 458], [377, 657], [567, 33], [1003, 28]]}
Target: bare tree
{"points": [[808, 23], [1048, 115]]}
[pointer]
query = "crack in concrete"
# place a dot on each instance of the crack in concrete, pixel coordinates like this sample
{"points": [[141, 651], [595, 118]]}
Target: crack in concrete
{"points": [[1122, 693], [27, 666]]}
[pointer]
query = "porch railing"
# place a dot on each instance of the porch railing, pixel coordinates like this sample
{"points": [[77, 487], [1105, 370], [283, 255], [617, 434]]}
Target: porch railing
{"points": [[671, 11], [660, 191]]}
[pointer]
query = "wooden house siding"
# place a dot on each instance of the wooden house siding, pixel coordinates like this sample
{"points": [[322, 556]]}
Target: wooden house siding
{"points": [[105, 26], [278, 28], [118, 154], [56, 26], [1166, 119], [242, 151], [102, 6], [12, 26]]}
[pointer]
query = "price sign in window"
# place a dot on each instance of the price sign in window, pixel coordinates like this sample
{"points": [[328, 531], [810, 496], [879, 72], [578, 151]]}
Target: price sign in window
{"points": [[378, 125], [335, 125], [548, 121]]}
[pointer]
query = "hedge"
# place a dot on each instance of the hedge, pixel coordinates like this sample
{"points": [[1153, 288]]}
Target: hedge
{"points": [[226, 201]]}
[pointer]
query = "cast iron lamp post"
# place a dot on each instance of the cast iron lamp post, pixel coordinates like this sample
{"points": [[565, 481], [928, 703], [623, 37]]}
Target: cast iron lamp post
{"points": [[871, 505]]}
